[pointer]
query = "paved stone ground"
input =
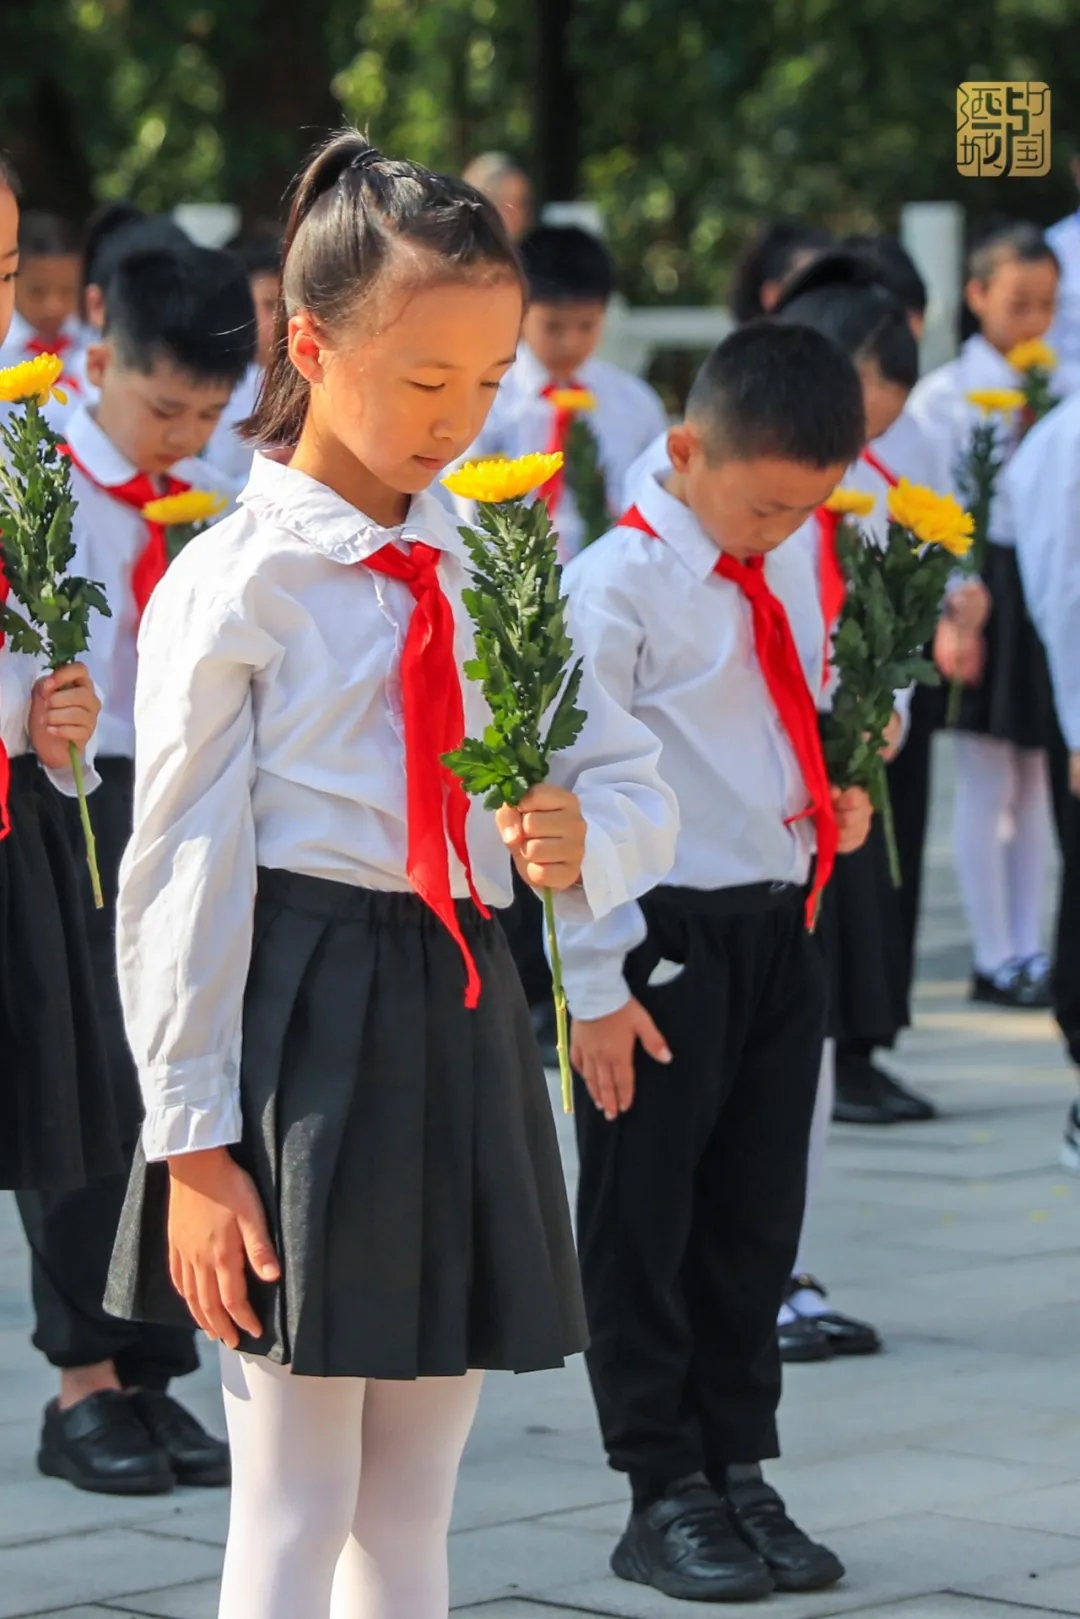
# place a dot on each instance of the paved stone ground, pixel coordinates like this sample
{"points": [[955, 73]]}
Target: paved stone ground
{"points": [[946, 1472]]}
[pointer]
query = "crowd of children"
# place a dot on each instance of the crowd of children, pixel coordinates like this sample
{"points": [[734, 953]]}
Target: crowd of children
{"points": [[286, 1085]]}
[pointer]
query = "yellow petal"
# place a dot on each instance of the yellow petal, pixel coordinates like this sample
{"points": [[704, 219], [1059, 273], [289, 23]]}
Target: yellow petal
{"points": [[931, 518], [497, 481], [572, 399], [59, 395], [33, 379], [850, 502], [1004, 400], [193, 506], [1032, 356]]}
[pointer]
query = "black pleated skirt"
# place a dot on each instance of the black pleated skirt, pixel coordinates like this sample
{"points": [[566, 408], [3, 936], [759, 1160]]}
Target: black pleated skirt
{"points": [[58, 1126], [1010, 702], [861, 928], [403, 1147]]}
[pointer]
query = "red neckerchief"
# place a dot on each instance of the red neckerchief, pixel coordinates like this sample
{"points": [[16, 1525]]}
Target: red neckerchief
{"points": [[434, 725], [785, 680], [5, 762], [551, 492], [149, 567]]}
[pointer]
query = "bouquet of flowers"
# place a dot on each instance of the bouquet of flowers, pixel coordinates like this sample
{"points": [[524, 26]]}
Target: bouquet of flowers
{"points": [[523, 657], [48, 611], [183, 516], [1036, 362], [582, 471], [893, 596]]}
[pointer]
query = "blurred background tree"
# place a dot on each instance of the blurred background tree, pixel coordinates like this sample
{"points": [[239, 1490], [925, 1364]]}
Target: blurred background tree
{"points": [[683, 119]]}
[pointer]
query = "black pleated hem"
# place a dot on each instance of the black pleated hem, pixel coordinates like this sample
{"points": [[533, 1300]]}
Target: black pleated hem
{"points": [[1011, 700], [861, 929], [403, 1146]]}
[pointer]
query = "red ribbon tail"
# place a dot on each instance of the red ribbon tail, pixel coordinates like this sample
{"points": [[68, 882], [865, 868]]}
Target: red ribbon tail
{"points": [[5, 787], [150, 566]]}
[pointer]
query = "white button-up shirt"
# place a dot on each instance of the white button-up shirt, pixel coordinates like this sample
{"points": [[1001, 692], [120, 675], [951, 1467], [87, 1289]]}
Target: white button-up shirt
{"points": [[627, 417], [270, 732], [1043, 480], [227, 451], [15, 350], [109, 537], [673, 643], [1064, 334]]}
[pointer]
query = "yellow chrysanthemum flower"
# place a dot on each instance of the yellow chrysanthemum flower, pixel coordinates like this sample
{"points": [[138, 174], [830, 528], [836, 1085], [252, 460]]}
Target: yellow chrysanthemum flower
{"points": [[33, 379], [850, 503], [990, 400], [1032, 356], [932, 518], [497, 481], [572, 399], [194, 506]]}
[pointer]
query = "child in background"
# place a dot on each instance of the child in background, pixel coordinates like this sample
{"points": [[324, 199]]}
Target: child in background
{"points": [[47, 303], [179, 334], [57, 1127], [775, 252], [1002, 827], [260, 257], [323, 1096], [699, 1011]]}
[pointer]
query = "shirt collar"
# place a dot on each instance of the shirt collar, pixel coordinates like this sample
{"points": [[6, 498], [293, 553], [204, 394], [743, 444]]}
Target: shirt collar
{"points": [[984, 358], [678, 527], [98, 453], [533, 377], [330, 525]]}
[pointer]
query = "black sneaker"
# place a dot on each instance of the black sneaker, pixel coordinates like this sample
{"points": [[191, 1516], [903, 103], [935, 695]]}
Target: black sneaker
{"points": [[1070, 1146], [906, 1106], [795, 1562], [100, 1445], [685, 1545], [860, 1097], [842, 1334], [1011, 985], [195, 1456]]}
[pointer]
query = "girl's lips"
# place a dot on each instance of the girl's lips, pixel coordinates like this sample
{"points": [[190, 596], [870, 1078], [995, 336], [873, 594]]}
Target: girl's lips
{"points": [[431, 463]]}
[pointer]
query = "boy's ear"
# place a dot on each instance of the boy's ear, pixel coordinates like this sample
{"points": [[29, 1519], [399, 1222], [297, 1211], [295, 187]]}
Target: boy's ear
{"points": [[98, 356], [683, 442], [975, 295]]}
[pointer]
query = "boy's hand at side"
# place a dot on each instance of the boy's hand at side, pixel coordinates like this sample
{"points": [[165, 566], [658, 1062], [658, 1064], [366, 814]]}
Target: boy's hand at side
{"points": [[854, 812], [546, 836], [602, 1051], [216, 1223], [64, 708]]}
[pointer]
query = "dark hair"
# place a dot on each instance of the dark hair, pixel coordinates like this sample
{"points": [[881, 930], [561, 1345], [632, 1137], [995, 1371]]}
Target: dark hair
{"points": [[769, 256], [843, 295], [259, 255], [565, 264], [44, 236], [783, 391], [1005, 241], [119, 228], [192, 307], [350, 208], [895, 266], [9, 179]]}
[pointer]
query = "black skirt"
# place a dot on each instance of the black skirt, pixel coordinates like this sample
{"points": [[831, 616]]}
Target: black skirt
{"points": [[861, 928], [57, 1122], [1011, 700], [403, 1147]]}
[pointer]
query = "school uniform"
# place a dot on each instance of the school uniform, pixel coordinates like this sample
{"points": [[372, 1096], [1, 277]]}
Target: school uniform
{"points": [[23, 343], [1043, 481], [690, 1203], [1064, 334], [228, 450], [287, 992], [1009, 700], [57, 1124], [71, 1233]]}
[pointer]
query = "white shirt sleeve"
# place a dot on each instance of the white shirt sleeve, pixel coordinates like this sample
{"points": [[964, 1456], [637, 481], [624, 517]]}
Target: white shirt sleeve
{"points": [[1049, 556], [187, 882]]}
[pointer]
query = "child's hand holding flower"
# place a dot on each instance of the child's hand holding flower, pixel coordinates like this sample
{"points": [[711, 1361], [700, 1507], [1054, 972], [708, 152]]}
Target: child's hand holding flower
{"points": [[854, 812], [545, 834], [64, 710]]}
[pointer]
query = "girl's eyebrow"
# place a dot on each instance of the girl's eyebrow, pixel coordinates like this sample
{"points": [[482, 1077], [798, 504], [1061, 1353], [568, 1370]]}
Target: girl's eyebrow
{"points": [[447, 365]]}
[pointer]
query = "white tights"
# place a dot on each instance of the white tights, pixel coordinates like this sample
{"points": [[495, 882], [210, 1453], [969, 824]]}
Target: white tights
{"points": [[1002, 836], [342, 1492]]}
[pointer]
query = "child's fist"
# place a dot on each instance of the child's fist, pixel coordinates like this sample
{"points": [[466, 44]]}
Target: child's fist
{"points": [[854, 813], [64, 708], [546, 836]]}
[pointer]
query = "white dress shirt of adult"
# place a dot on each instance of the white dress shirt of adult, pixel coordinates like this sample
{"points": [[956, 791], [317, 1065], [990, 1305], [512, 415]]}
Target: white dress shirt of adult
{"points": [[1043, 480], [1064, 334], [109, 536], [627, 418], [270, 732], [673, 643]]}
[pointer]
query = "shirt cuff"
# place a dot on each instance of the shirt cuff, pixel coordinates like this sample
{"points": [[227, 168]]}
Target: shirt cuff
{"points": [[603, 992], [64, 780], [191, 1108], [603, 884]]}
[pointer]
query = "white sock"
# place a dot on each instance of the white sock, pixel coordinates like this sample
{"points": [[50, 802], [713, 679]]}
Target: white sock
{"points": [[1028, 852], [982, 830], [342, 1491]]}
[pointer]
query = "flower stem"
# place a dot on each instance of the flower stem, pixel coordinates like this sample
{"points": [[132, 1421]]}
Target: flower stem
{"points": [[562, 1023], [88, 830], [952, 712], [888, 826]]}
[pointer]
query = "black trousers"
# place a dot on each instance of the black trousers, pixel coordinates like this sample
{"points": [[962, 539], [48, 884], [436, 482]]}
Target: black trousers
{"points": [[71, 1234], [1067, 950], [690, 1204]]}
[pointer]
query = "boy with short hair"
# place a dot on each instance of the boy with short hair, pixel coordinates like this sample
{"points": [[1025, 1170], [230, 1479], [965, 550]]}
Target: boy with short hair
{"points": [[47, 303], [179, 335], [699, 1013]]}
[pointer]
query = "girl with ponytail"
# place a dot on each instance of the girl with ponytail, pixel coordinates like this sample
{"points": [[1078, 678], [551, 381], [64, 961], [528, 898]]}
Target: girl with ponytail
{"points": [[348, 1172]]}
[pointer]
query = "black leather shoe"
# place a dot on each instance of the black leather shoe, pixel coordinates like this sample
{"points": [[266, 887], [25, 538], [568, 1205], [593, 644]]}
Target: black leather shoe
{"points": [[685, 1545], [802, 1340], [860, 1098], [842, 1334], [195, 1456], [1012, 985], [906, 1106], [101, 1445], [795, 1562]]}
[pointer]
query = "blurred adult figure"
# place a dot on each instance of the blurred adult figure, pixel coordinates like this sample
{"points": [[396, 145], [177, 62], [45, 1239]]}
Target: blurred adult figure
{"points": [[499, 177]]}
